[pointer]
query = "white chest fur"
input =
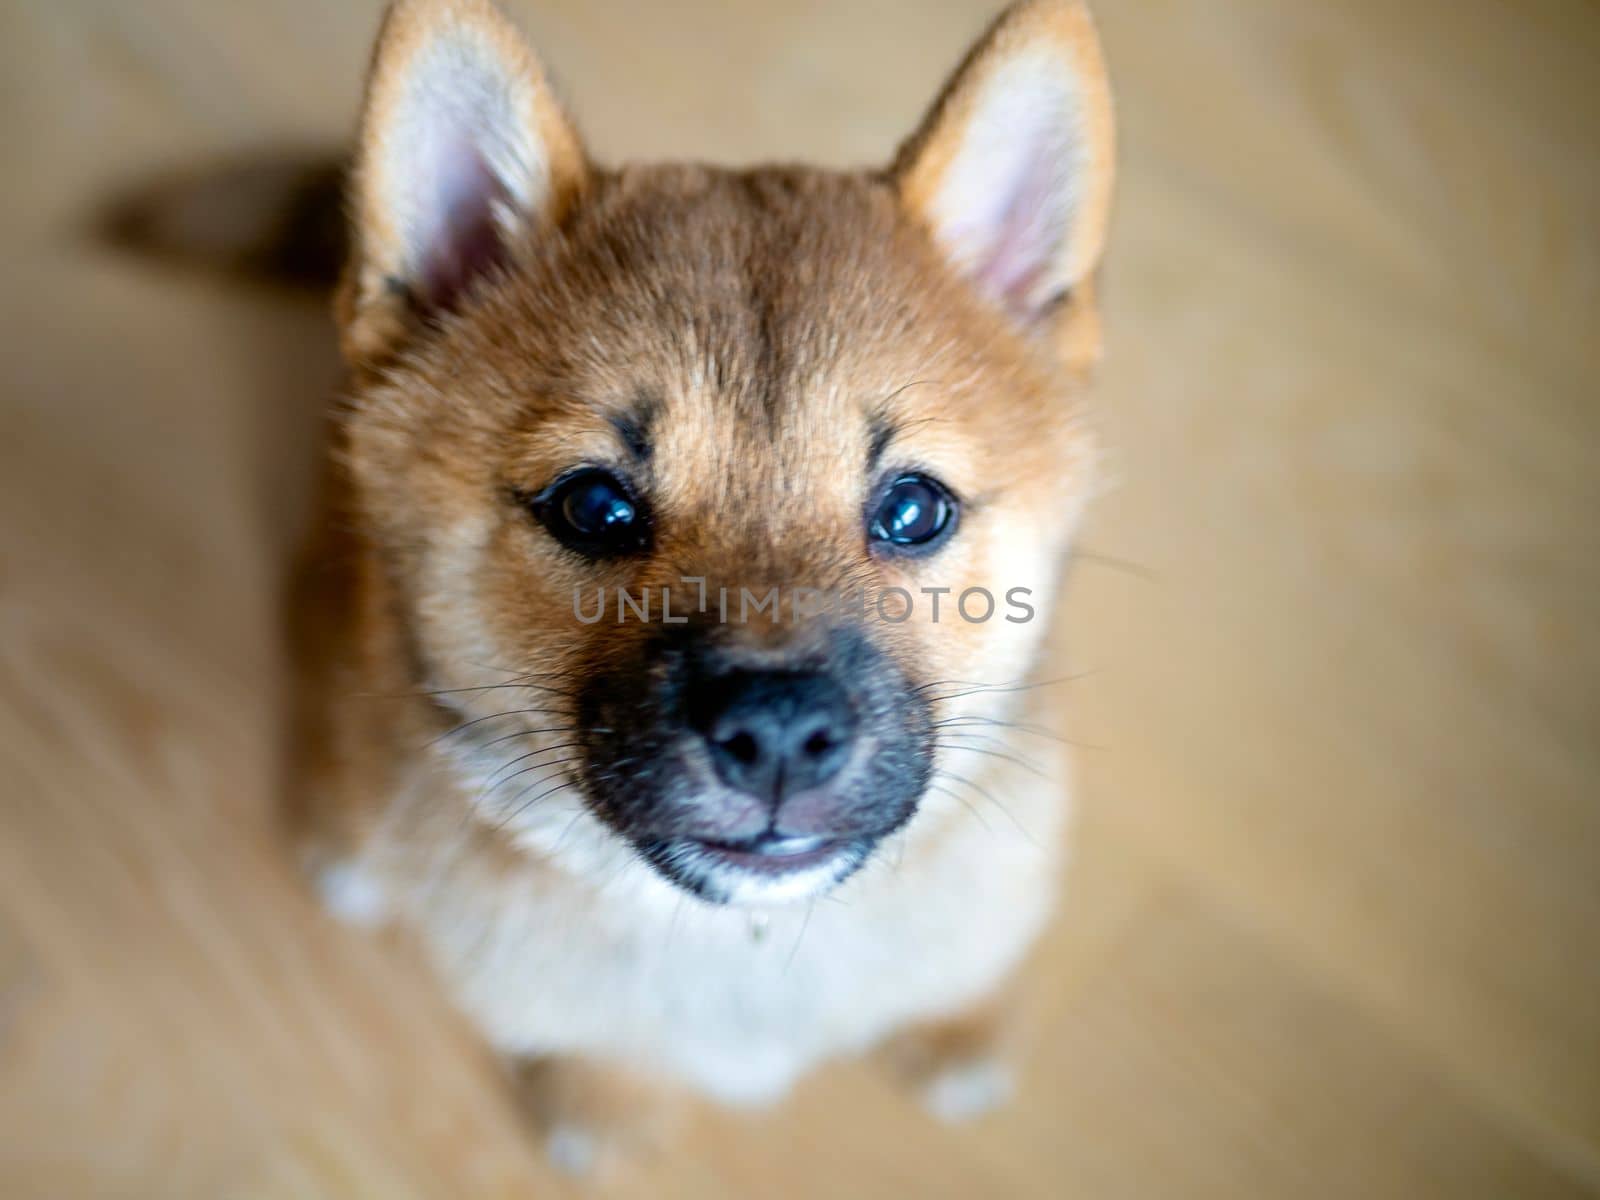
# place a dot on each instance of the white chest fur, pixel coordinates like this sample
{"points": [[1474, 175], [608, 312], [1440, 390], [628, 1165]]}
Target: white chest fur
{"points": [[609, 961]]}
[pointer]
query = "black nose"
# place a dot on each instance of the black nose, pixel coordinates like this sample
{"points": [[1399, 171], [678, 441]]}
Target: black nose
{"points": [[773, 733]]}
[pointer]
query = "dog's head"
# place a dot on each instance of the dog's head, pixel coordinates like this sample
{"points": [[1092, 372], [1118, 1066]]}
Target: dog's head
{"points": [[715, 503]]}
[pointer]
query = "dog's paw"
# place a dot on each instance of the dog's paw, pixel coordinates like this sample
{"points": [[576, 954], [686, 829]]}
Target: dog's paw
{"points": [[351, 892], [594, 1119], [959, 1067], [964, 1091], [579, 1151], [336, 862]]}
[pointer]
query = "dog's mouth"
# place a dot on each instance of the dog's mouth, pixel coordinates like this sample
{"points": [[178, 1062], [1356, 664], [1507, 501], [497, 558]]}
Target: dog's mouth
{"points": [[773, 855], [770, 869]]}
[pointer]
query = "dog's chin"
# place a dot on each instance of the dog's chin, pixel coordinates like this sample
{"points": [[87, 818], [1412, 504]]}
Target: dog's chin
{"points": [[772, 871]]}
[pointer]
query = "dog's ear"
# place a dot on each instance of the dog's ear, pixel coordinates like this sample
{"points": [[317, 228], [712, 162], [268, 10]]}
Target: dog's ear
{"points": [[463, 150], [1011, 171]]}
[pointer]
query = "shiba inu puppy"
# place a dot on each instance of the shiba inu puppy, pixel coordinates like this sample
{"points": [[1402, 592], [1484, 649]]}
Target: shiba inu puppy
{"points": [[698, 526]]}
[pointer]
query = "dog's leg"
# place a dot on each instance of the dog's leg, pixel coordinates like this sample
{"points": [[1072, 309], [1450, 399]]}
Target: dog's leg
{"points": [[959, 1067], [593, 1116]]}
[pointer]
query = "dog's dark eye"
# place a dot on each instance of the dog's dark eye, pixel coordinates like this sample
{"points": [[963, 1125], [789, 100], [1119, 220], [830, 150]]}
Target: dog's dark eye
{"points": [[915, 512], [593, 513]]}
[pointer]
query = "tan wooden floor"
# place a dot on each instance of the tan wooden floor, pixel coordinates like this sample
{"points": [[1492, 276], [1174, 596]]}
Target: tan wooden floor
{"points": [[1335, 925]]}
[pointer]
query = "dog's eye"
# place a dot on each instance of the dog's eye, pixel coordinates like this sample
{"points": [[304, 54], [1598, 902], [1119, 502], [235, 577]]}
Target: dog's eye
{"points": [[915, 512], [593, 513]]}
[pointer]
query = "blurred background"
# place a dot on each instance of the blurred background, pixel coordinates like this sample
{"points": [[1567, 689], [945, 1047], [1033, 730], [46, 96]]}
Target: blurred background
{"points": [[1333, 928]]}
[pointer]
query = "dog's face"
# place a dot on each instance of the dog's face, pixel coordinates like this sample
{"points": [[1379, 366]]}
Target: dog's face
{"points": [[722, 508]]}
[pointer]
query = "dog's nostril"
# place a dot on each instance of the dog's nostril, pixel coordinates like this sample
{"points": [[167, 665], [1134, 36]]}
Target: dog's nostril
{"points": [[818, 744], [742, 746]]}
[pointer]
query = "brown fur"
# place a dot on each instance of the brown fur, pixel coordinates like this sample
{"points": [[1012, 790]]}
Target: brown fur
{"points": [[765, 325]]}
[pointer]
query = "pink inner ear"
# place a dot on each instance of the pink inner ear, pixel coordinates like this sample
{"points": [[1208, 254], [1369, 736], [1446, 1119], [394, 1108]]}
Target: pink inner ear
{"points": [[1004, 203], [1023, 248], [465, 241]]}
